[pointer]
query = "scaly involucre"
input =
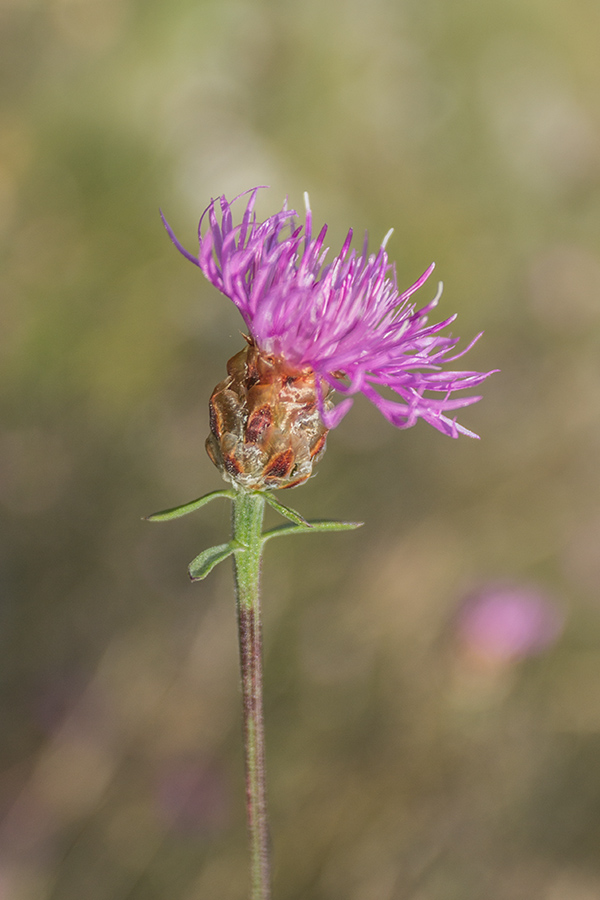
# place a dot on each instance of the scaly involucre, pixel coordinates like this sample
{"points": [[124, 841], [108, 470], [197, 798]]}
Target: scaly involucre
{"points": [[346, 321]]}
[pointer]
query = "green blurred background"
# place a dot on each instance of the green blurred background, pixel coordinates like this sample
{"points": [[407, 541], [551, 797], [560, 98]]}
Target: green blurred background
{"points": [[406, 760]]}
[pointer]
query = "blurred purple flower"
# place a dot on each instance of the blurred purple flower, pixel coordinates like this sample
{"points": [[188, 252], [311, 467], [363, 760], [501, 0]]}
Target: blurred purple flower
{"points": [[505, 622], [345, 321]]}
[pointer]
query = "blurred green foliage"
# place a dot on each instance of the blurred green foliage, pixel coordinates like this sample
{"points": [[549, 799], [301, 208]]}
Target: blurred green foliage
{"points": [[402, 762]]}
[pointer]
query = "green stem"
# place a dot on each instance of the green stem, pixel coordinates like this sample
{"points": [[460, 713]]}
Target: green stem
{"points": [[248, 509]]}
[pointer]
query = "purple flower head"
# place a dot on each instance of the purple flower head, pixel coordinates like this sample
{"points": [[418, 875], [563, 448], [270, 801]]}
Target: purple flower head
{"points": [[345, 320]]}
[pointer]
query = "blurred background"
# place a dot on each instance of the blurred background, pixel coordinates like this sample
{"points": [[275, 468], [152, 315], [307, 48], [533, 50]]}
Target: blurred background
{"points": [[432, 681]]}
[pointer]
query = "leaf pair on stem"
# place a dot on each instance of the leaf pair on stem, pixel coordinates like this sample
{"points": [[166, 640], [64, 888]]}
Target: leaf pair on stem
{"points": [[205, 562]]}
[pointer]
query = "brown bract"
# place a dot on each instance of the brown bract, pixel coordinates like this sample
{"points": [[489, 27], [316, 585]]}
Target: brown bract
{"points": [[266, 431]]}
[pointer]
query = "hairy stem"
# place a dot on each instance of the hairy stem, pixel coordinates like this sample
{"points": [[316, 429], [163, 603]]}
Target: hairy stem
{"points": [[248, 509]]}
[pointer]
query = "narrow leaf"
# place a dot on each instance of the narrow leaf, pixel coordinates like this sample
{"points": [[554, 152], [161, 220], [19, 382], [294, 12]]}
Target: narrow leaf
{"points": [[309, 528], [205, 562], [285, 511], [193, 505]]}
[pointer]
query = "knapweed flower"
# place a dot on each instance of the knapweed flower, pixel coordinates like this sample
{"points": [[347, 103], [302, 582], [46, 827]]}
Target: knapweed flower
{"points": [[313, 328]]}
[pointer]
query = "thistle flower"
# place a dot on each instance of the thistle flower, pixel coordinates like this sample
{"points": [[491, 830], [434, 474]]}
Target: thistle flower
{"points": [[313, 328]]}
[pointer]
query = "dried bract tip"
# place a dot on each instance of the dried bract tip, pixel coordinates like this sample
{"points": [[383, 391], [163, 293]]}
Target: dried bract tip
{"points": [[265, 427]]}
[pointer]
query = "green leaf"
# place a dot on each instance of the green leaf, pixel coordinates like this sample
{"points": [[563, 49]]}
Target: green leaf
{"points": [[193, 505], [309, 528], [285, 511], [205, 562]]}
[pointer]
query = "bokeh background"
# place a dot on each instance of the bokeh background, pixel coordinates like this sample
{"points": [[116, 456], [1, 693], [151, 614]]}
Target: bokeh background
{"points": [[432, 681]]}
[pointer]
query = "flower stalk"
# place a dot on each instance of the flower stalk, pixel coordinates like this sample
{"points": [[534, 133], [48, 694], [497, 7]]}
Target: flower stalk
{"points": [[247, 517], [246, 545]]}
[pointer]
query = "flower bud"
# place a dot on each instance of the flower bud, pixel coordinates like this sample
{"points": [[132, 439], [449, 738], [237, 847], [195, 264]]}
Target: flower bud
{"points": [[265, 427]]}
